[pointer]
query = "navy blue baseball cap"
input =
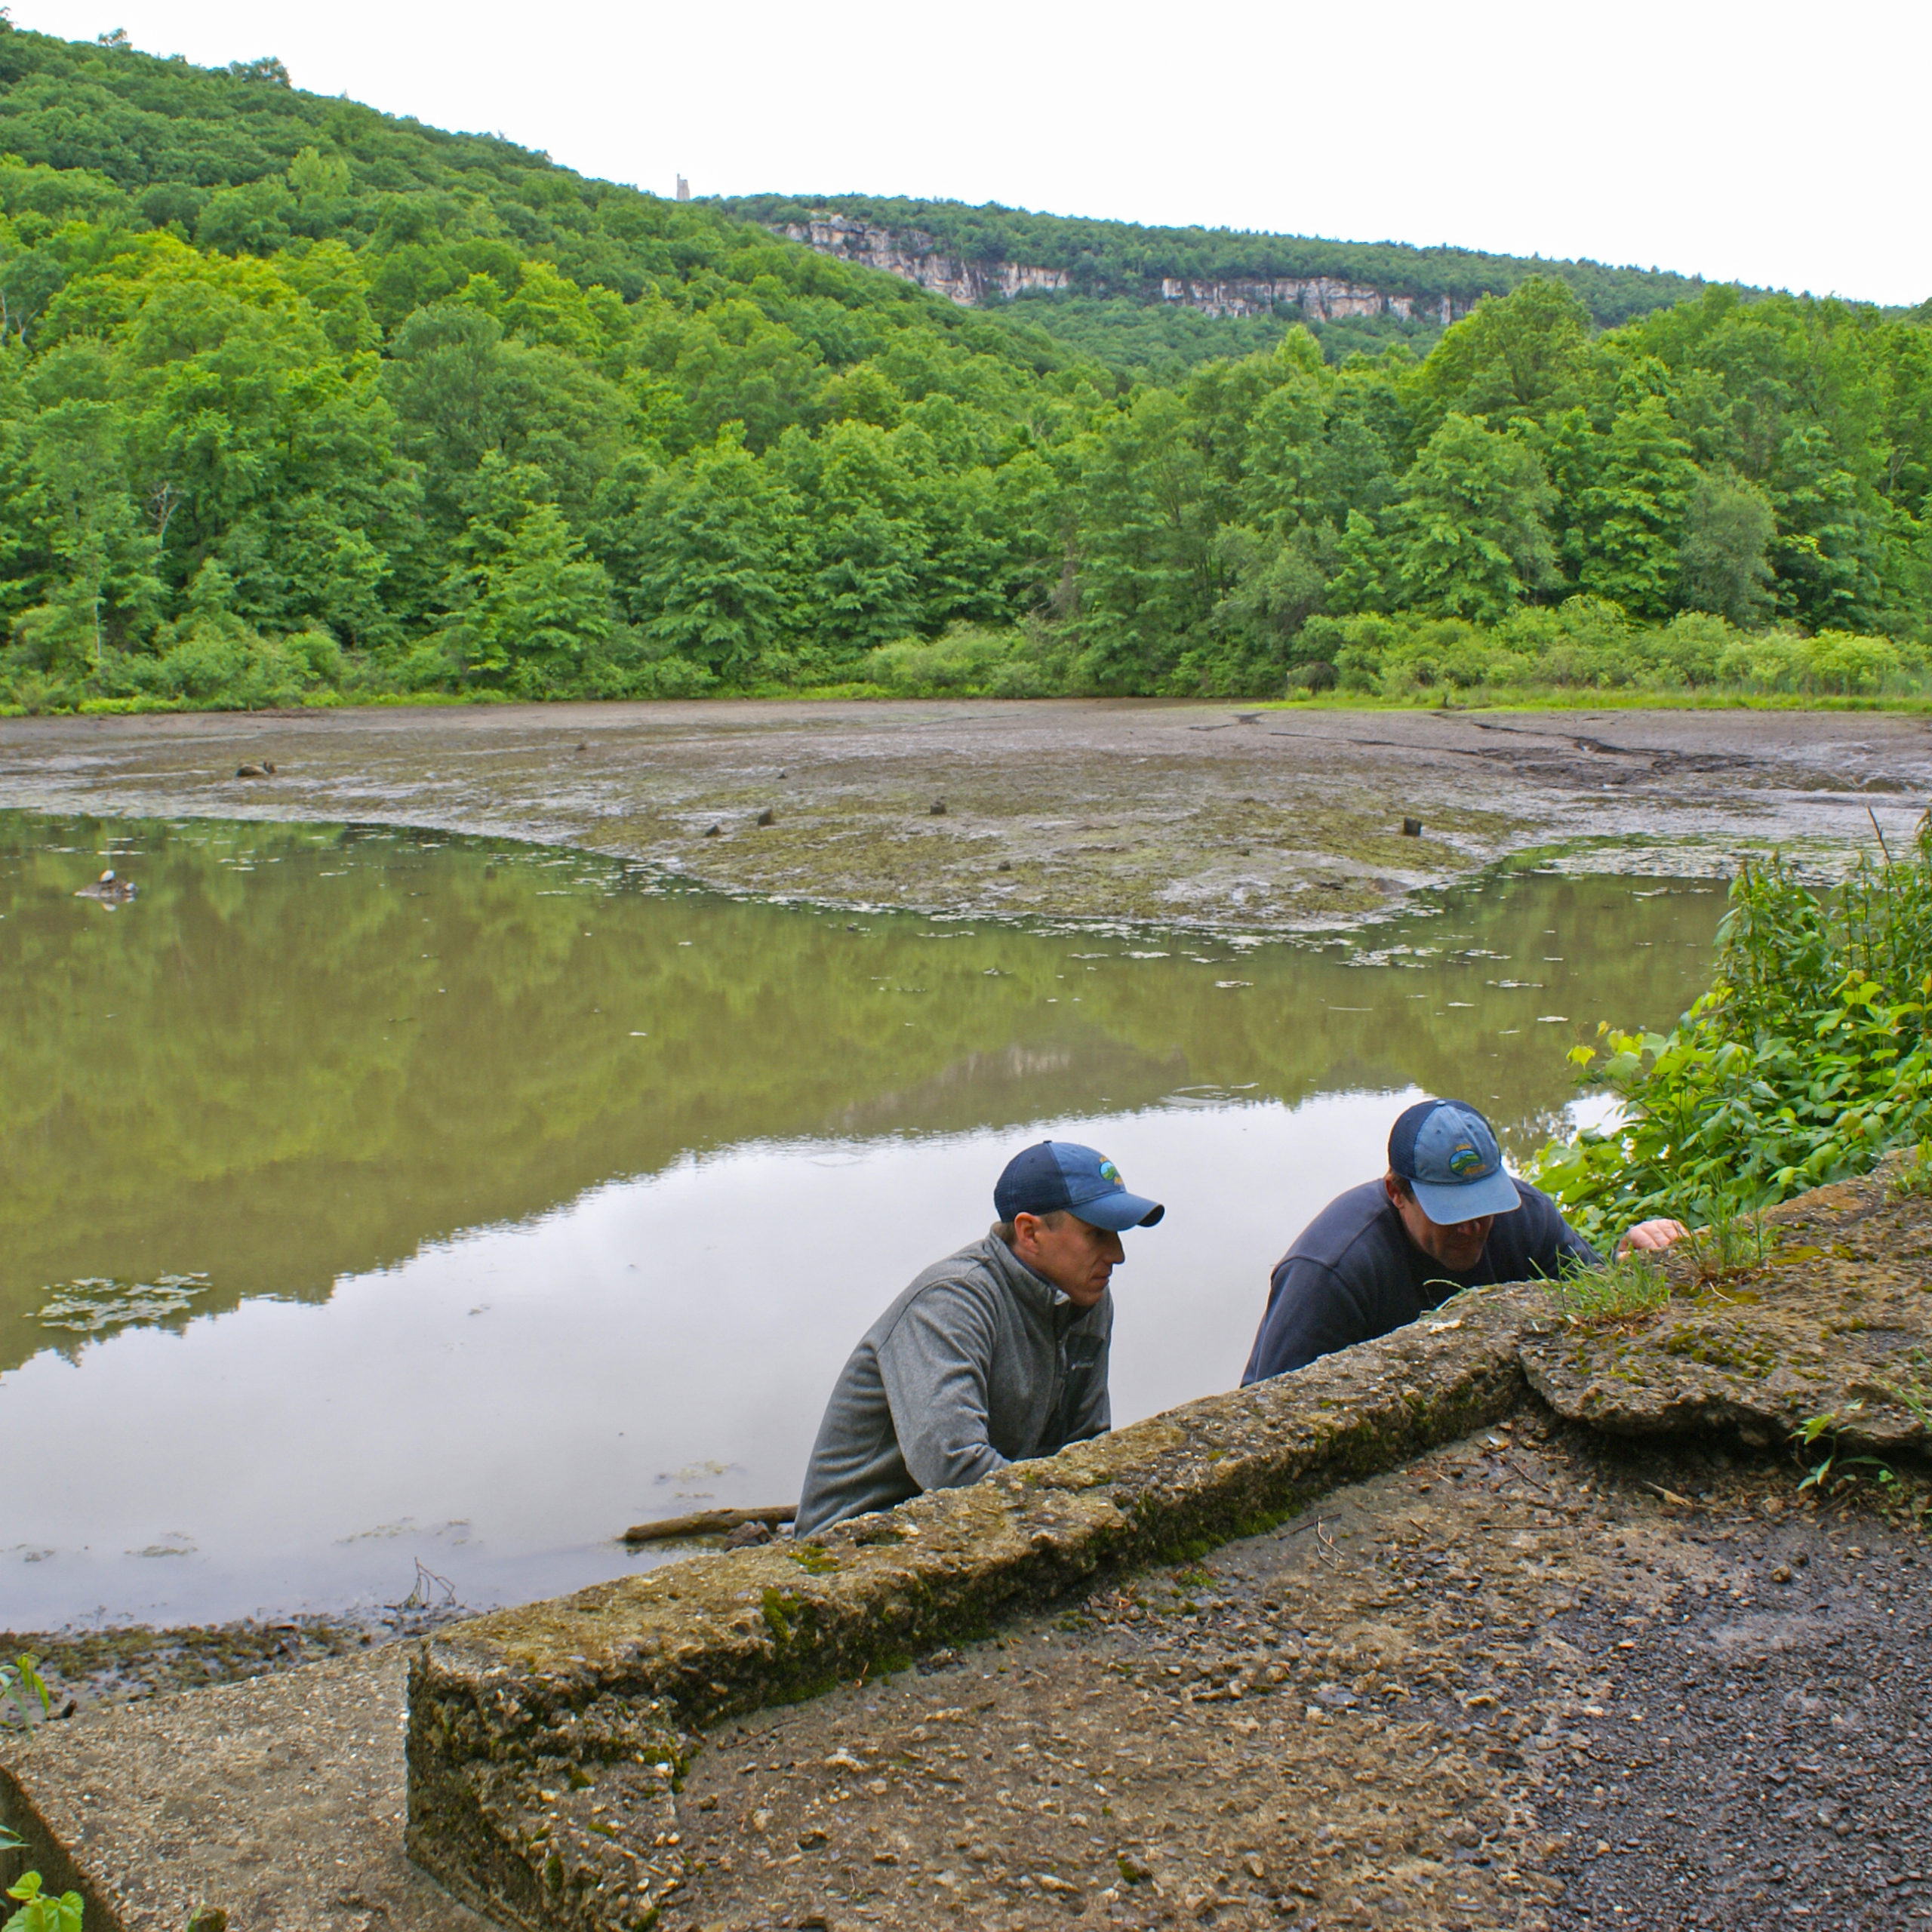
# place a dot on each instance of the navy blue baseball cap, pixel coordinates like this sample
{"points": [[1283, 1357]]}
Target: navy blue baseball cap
{"points": [[1445, 1151], [1062, 1174]]}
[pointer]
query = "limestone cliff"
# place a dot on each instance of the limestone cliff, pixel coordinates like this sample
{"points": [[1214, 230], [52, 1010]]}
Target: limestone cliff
{"points": [[915, 256]]}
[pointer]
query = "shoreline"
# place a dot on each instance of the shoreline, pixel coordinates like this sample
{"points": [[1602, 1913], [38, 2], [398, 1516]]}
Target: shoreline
{"points": [[1143, 812]]}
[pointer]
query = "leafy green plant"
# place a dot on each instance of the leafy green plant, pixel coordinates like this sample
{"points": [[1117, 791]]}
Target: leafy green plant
{"points": [[1836, 1467], [42, 1912], [1809, 1058], [39, 1912], [23, 1675]]}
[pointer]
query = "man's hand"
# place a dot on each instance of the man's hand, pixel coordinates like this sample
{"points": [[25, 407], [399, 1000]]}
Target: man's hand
{"points": [[1652, 1234]]}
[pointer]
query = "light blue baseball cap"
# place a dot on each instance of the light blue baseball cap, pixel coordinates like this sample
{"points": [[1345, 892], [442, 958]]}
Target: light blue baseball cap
{"points": [[1445, 1151]]}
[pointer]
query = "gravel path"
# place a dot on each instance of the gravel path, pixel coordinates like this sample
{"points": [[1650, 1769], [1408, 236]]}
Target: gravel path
{"points": [[1777, 1775], [1508, 1687]]}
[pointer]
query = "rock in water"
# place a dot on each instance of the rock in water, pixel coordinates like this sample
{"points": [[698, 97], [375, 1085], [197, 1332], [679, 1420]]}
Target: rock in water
{"points": [[938, 808], [713, 831], [107, 889]]}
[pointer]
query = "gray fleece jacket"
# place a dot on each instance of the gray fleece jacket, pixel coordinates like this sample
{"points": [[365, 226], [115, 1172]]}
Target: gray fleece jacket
{"points": [[979, 1363]]}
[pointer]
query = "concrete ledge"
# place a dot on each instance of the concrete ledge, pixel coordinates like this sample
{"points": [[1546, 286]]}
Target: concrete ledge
{"points": [[543, 1742], [277, 1799], [1837, 1322]]}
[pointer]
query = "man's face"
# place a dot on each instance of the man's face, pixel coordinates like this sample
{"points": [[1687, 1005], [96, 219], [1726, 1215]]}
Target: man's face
{"points": [[1077, 1257], [1457, 1244]]}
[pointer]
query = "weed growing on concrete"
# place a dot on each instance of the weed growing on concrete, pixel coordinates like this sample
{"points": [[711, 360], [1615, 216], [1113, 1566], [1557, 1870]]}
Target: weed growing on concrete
{"points": [[1913, 1181], [1729, 1243], [40, 1911], [1837, 1469], [1622, 1291], [1915, 1394], [17, 1712]]}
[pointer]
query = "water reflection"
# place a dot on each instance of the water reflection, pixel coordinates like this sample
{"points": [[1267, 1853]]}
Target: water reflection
{"points": [[507, 1197]]}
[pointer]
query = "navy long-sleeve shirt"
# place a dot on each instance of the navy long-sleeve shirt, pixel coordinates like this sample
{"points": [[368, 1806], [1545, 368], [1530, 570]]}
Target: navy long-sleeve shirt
{"points": [[1353, 1274]]}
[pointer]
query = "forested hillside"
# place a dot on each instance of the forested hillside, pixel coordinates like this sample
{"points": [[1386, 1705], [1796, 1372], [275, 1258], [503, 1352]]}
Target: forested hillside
{"points": [[299, 401], [1126, 259], [1155, 302]]}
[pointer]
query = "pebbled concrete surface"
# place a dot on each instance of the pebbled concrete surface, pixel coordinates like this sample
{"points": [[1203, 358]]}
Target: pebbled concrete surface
{"points": [[278, 1800], [1167, 811], [1507, 1686]]}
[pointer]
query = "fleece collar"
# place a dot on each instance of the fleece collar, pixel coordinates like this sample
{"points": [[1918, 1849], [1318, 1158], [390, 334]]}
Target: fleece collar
{"points": [[1034, 1290]]}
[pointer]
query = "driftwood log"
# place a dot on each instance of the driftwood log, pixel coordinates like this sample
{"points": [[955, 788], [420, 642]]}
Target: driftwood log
{"points": [[708, 1523]]}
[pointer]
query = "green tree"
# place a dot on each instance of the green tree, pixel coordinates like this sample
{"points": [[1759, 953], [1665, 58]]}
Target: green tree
{"points": [[1625, 492], [1151, 569], [1512, 359], [1721, 565], [526, 607], [98, 585], [716, 543], [1467, 538]]}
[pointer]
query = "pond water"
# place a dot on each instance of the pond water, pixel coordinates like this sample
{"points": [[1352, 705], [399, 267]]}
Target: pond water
{"points": [[373, 1198]]}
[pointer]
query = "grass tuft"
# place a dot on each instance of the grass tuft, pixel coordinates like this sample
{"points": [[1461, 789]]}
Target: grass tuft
{"points": [[1913, 1181], [1624, 1291], [1728, 1245]]}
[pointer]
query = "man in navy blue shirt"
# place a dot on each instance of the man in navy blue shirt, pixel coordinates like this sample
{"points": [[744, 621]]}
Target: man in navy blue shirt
{"points": [[1446, 1217]]}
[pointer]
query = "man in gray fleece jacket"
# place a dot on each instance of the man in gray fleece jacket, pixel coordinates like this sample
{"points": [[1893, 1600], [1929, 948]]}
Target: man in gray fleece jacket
{"points": [[996, 1354]]}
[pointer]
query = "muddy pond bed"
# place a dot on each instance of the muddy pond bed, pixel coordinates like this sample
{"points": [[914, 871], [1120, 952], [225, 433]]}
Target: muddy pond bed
{"points": [[395, 1213]]}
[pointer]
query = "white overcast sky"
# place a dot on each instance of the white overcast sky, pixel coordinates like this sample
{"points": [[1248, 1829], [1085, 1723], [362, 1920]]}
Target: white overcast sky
{"points": [[1768, 142]]}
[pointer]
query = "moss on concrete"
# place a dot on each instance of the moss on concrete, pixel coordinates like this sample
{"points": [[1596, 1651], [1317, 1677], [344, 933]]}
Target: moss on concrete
{"points": [[1836, 1323]]}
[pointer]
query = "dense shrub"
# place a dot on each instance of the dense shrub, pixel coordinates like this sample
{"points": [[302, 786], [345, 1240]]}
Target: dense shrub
{"points": [[1809, 1057]]}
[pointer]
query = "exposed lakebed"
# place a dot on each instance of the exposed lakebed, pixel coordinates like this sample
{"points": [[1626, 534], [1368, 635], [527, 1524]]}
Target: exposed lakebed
{"points": [[376, 1197]]}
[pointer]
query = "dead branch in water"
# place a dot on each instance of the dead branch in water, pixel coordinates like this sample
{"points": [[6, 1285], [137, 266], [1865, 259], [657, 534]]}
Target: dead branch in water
{"points": [[708, 1522]]}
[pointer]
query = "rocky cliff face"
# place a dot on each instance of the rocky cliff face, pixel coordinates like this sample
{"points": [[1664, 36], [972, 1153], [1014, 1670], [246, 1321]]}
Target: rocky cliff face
{"points": [[1319, 298], [915, 256]]}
